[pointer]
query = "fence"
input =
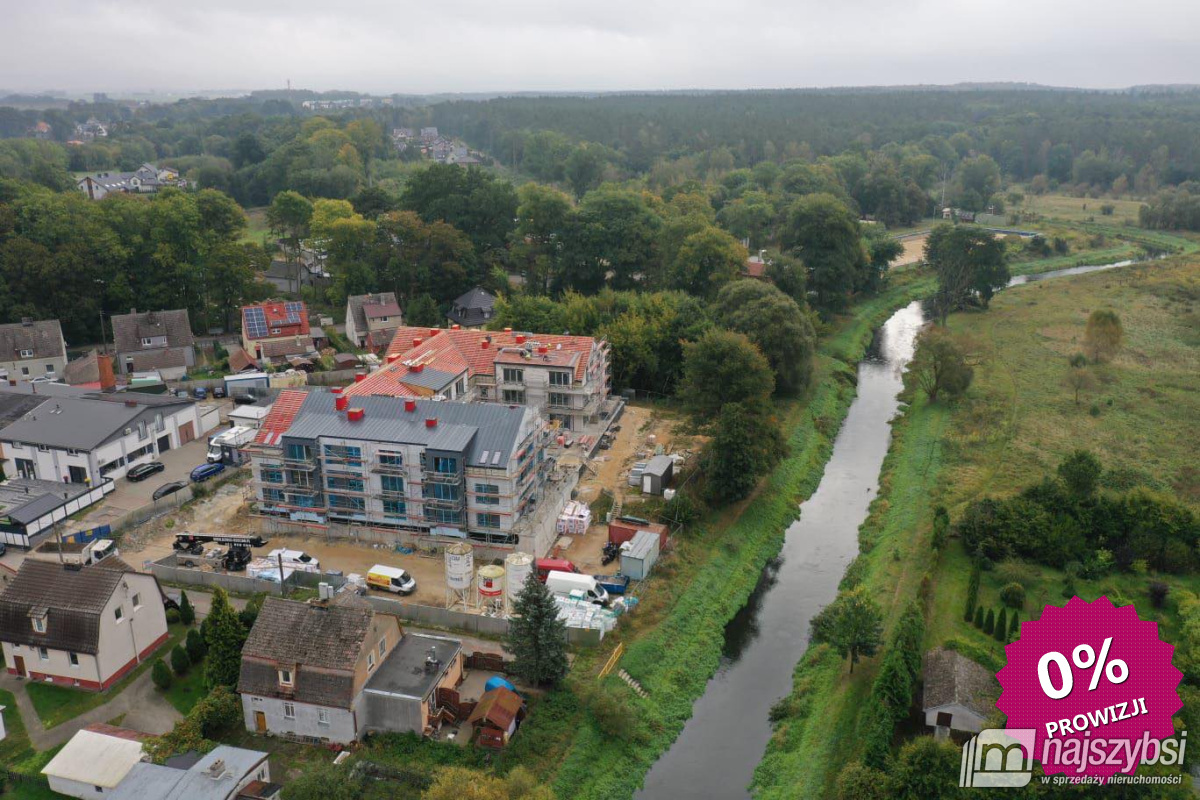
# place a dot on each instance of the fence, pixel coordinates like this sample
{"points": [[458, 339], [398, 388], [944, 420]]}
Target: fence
{"points": [[168, 569], [440, 617]]}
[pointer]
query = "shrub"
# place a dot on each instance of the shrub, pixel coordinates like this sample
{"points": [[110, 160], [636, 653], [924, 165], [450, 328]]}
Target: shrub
{"points": [[172, 616], [972, 595], [857, 781], [187, 614], [979, 617], [941, 526], [194, 644], [160, 674], [180, 663], [989, 622], [1014, 625], [1013, 595], [1158, 593], [1001, 631]]}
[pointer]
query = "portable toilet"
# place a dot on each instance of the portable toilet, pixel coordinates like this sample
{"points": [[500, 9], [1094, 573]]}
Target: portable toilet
{"points": [[638, 557]]}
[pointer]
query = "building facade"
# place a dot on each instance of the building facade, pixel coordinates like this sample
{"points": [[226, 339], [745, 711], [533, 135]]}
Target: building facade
{"points": [[276, 330], [372, 319], [32, 349], [83, 627], [451, 469]]}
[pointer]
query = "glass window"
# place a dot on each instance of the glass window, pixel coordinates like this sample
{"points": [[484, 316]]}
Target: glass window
{"points": [[392, 483], [39, 624], [43, 654], [487, 488], [395, 508], [391, 460], [346, 502], [443, 516], [560, 399], [73, 658], [560, 378], [285, 677], [289, 711], [445, 464], [512, 375], [370, 660], [441, 491], [382, 646], [298, 452], [345, 453], [343, 483], [137, 601], [272, 473], [514, 396], [274, 495], [488, 520], [322, 716], [488, 500], [118, 613]]}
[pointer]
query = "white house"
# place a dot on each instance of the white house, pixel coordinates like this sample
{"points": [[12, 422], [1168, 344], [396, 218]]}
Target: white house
{"points": [[85, 627], [95, 761], [89, 437]]}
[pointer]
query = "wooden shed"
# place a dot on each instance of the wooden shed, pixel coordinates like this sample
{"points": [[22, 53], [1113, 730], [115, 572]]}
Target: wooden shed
{"points": [[496, 717]]}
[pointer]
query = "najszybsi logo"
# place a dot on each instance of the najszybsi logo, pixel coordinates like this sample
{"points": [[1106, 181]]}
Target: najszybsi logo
{"points": [[998, 758]]}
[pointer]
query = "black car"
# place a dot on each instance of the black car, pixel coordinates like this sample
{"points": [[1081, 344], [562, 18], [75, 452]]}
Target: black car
{"points": [[168, 488], [218, 392], [143, 471]]}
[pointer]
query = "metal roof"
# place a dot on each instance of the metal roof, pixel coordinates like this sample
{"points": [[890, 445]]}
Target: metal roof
{"points": [[461, 427], [659, 465], [82, 423], [641, 545], [404, 673], [25, 500]]}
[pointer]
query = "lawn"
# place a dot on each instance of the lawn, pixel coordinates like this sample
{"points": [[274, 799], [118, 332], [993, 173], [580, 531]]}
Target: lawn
{"points": [[1016, 423], [58, 704], [18, 756], [185, 692], [257, 231]]}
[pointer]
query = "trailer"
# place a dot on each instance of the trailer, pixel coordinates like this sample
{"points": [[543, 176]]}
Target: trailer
{"points": [[234, 559], [225, 447]]}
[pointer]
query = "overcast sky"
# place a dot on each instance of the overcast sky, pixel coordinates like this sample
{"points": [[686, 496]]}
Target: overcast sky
{"points": [[387, 46]]}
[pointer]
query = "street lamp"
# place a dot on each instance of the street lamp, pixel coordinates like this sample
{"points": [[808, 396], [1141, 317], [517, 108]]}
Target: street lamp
{"points": [[103, 339]]}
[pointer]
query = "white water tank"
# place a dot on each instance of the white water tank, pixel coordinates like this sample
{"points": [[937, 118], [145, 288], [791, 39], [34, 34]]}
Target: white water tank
{"points": [[460, 566], [519, 565]]}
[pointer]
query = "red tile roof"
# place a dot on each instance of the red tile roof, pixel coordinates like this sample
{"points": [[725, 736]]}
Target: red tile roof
{"points": [[277, 318], [755, 267], [453, 351], [285, 409], [118, 733]]}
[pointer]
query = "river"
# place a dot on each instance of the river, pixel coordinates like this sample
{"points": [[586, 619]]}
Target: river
{"points": [[715, 755]]}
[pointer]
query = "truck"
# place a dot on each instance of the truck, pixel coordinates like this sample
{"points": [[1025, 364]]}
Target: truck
{"points": [[234, 559], [74, 552], [225, 447], [571, 584]]}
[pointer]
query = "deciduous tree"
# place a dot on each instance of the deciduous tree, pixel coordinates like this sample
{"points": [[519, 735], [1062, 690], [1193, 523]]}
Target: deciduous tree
{"points": [[852, 625]]}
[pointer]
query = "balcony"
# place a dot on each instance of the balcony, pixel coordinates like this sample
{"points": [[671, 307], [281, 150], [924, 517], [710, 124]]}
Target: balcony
{"points": [[443, 477], [437, 502], [305, 464], [388, 469]]}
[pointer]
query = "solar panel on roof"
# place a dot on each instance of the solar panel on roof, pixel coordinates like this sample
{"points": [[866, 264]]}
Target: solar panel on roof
{"points": [[256, 322], [293, 311]]}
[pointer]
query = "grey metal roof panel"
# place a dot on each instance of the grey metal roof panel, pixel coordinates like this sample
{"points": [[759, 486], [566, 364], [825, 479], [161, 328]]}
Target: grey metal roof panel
{"points": [[404, 672], [427, 378], [145, 781], [471, 428], [71, 422], [659, 465], [198, 784]]}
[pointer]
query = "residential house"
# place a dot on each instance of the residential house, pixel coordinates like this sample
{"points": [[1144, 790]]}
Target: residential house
{"points": [[154, 340], [80, 626], [276, 330], [146, 179], [472, 309], [756, 266], [95, 761], [32, 349], [372, 319], [223, 773], [92, 129], [304, 667], [959, 694], [405, 464], [42, 130], [89, 437], [403, 694], [564, 378]]}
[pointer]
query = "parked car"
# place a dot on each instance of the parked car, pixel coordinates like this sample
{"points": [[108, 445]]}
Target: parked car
{"points": [[391, 579], [206, 471], [3, 548], [218, 392], [181, 394], [200, 393], [143, 471], [168, 488]]}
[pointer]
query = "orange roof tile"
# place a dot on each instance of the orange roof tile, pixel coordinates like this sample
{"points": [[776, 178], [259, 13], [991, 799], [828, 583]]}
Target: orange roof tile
{"points": [[276, 423]]}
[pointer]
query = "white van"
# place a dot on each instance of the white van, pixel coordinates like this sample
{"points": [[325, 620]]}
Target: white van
{"points": [[296, 559], [391, 579], [564, 583]]}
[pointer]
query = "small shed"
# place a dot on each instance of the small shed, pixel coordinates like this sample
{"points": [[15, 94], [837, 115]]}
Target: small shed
{"points": [[958, 695], [639, 555], [496, 717], [657, 474], [622, 529]]}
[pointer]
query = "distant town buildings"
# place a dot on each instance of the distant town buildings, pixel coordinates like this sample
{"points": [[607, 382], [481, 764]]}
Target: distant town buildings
{"points": [[90, 130], [472, 309], [372, 319], [277, 331], [154, 340], [146, 179], [32, 349]]}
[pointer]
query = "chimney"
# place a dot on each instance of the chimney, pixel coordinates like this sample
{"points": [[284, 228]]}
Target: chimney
{"points": [[337, 390], [340, 402], [508, 330], [431, 422], [484, 343], [543, 349], [108, 381], [520, 338], [355, 415], [359, 377], [434, 332], [417, 341], [131, 403], [393, 358], [456, 327], [417, 368], [410, 405]]}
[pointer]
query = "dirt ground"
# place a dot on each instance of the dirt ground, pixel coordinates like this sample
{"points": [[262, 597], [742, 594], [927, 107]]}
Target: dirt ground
{"points": [[914, 251]]}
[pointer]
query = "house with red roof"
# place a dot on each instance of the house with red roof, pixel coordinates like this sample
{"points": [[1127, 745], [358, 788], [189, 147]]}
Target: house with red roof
{"points": [[565, 378], [276, 330]]}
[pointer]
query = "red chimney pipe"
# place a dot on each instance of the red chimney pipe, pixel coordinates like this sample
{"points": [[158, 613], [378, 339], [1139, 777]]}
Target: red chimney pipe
{"points": [[354, 415], [543, 349], [508, 330], [337, 390], [417, 368], [484, 343], [434, 331], [417, 341], [359, 377], [104, 366], [520, 338], [410, 406], [393, 358], [431, 422], [456, 327], [340, 403]]}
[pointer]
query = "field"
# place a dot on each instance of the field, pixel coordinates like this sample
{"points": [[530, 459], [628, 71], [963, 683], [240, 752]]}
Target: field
{"points": [[1016, 423], [1080, 209], [257, 231]]}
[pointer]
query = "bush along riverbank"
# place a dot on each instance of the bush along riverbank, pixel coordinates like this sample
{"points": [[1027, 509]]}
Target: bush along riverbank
{"points": [[607, 736]]}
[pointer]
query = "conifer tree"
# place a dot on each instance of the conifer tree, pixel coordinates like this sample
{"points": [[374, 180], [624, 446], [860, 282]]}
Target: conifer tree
{"points": [[187, 614], [1001, 631], [989, 622], [536, 637], [224, 636]]}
